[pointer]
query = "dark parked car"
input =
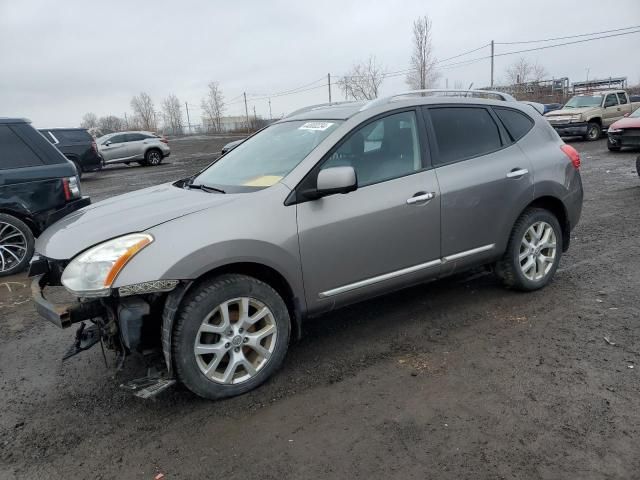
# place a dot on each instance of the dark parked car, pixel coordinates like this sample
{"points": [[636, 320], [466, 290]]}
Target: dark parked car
{"points": [[38, 186], [77, 145]]}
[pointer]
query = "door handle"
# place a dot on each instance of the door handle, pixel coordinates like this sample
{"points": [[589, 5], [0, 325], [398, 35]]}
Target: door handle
{"points": [[420, 197], [517, 173]]}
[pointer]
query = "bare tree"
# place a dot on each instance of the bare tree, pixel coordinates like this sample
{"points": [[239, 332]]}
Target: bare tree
{"points": [[521, 71], [213, 106], [144, 110], [172, 114], [363, 81], [110, 123], [423, 73], [89, 120]]}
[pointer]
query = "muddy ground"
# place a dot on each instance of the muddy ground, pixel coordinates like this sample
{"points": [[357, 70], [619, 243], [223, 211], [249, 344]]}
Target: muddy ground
{"points": [[457, 379]]}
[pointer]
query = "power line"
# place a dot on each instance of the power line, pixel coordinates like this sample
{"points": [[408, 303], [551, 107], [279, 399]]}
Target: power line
{"points": [[570, 36]]}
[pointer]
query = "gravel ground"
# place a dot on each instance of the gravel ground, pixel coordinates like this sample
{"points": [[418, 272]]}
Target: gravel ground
{"points": [[456, 379]]}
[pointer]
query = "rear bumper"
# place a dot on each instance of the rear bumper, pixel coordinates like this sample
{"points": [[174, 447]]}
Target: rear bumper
{"points": [[571, 129]]}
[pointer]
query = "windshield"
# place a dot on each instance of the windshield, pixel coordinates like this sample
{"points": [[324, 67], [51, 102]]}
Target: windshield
{"points": [[584, 101], [636, 113], [265, 158]]}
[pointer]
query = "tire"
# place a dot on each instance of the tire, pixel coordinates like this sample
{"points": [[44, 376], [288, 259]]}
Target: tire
{"points": [[78, 169], [16, 245], [594, 131], [153, 157], [638, 165], [235, 367], [611, 147], [520, 274]]}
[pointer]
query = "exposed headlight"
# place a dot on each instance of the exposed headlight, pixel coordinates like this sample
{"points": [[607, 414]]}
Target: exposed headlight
{"points": [[92, 272]]}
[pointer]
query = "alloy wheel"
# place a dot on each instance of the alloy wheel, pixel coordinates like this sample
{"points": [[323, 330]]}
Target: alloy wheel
{"points": [[154, 158], [13, 246], [537, 251], [593, 133], [235, 341]]}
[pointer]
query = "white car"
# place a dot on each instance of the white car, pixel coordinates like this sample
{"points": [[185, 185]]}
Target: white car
{"points": [[146, 148]]}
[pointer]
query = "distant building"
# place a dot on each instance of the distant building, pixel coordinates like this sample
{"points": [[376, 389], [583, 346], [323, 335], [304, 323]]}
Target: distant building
{"points": [[227, 124]]}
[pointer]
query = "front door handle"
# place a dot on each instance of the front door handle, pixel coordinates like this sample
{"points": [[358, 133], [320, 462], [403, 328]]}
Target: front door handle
{"points": [[420, 197], [517, 173]]}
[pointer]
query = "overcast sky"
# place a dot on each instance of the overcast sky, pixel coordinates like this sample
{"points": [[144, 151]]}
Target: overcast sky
{"points": [[60, 60]]}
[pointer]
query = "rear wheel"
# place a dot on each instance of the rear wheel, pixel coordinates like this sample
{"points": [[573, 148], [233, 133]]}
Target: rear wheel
{"points": [[231, 334], [594, 130], [153, 157], [78, 169], [638, 165], [16, 245], [533, 252]]}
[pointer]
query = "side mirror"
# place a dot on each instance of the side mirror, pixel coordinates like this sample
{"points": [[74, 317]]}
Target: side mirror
{"points": [[107, 143], [334, 180]]}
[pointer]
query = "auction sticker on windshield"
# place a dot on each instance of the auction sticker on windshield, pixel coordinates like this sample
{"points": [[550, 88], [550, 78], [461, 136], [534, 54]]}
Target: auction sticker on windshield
{"points": [[319, 126]]}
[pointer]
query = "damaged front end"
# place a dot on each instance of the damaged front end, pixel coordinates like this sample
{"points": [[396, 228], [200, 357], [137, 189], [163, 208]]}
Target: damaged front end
{"points": [[129, 320]]}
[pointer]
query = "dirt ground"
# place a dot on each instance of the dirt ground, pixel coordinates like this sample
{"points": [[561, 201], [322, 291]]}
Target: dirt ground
{"points": [[456, 379]]}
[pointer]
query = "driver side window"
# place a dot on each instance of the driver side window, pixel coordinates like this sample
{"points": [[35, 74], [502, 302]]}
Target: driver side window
{"points": [[611, 100], [381, 150]]}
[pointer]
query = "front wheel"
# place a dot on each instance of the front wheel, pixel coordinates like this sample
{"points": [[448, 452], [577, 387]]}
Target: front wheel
{"points": [[533, 252], [231, 334], [16, 245], [594, 130]]}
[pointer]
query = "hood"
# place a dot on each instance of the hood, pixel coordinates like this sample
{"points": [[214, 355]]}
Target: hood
{"points": [[132, 212], [563, 112], [628, 122]]}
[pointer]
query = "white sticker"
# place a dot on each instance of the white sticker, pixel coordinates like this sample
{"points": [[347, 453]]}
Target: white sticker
{"points": [[320, 126]]}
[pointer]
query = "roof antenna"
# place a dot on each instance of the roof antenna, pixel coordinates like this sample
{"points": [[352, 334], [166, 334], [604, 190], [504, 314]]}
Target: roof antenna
{"points": [[469, 89]]}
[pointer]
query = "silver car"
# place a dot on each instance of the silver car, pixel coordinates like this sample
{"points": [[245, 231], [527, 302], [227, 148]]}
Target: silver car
{"points": [[145, 148], [329, 206]]}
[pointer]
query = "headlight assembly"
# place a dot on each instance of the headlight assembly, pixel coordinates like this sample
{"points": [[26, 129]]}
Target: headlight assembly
{"points": [[91, 273]]}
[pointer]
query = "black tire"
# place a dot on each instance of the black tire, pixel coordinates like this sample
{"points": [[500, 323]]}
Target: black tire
{"points": [[198, 305], [153, 157], [638, 165], [8, 264], [509, 268], [611, 147], [594, 132], [78, 169]]}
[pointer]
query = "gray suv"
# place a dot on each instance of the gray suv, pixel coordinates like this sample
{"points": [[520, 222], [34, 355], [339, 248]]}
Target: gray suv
{"points": [[145, 148], [329, 206]]}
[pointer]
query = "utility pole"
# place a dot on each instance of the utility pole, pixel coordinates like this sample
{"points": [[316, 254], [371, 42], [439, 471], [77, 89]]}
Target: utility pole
{"points": [[446, 82], [491, 63], [255, 117], [246, 110], [186, 106], [270, 115], [329, 84], [126, 122]]}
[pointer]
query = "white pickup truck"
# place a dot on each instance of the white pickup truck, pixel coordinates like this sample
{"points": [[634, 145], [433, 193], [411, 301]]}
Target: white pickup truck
{"points": [[589, 114]]}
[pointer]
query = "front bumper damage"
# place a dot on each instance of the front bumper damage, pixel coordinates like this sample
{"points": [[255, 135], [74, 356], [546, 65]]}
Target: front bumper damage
{"points": [[574, 129], [127, 322]]}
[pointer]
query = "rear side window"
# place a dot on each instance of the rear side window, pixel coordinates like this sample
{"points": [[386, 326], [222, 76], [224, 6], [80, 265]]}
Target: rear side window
{"points": [[464, 132], [15, 153], [75, 136], [622, 97], [516, 123]]}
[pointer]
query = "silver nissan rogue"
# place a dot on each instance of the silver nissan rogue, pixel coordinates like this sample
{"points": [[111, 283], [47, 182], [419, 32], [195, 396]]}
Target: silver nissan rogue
{"points": [[331, 205]]}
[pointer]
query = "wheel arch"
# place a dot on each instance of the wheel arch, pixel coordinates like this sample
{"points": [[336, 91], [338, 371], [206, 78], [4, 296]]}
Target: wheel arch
{"points": [[24, 216], [559, 210], [260, 271], [597, 120]]}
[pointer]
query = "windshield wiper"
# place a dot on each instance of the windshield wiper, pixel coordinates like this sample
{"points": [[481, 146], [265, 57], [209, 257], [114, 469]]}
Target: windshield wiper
{"points": [[206, 188]]}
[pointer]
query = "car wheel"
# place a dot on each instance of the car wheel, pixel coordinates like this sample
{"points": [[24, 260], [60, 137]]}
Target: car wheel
{"points": [[593, 131], [78, 169], [16, 245], [612, 147], [533, 252], [638, 165], [153, 157], [231, 334]]}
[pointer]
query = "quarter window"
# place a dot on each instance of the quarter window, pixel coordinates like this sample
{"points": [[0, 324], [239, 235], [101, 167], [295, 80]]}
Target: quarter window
{"points": [[622, 97], [464, 132], [516, 123], [381, 150], [14, 153]]}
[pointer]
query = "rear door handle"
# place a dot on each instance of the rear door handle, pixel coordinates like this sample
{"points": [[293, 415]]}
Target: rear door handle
{"points": [[420, 197], [516, 173]]}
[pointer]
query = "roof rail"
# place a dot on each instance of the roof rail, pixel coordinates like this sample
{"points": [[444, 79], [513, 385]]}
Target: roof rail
{"points": [[443, 93], [318, 105]]}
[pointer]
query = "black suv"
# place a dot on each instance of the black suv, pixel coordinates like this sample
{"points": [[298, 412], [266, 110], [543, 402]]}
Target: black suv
{"points": [[77, 145], [38, 186]]}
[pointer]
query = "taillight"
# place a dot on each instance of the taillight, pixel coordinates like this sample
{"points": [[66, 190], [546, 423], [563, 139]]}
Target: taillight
{"points": [[164, 140], [573, 155], [71, 188]]}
